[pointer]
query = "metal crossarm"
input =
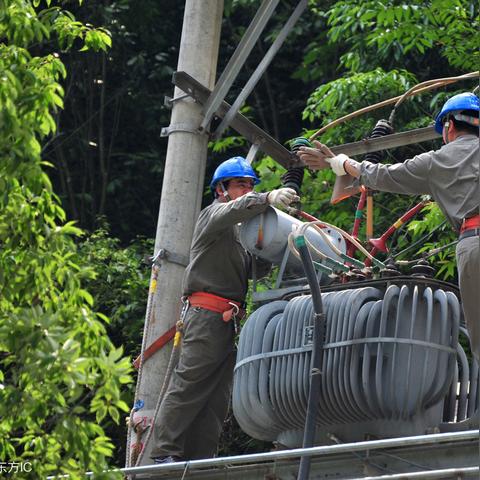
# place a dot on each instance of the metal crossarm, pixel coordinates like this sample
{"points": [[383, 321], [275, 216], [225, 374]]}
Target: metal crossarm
{"points": [[278, 152], [241, 124], [369, 145], [238, 59], [260, 70]]}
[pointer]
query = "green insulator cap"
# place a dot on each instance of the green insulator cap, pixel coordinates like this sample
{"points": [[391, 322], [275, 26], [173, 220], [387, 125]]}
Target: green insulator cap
{"points": [[300, 241], [300, 142]]}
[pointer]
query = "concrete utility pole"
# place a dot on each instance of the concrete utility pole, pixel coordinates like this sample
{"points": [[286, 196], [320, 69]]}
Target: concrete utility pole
{"points": [[181, 198]]}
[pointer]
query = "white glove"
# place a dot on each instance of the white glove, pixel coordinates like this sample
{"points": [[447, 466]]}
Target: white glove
{"points": [[282, 197], [337, 163]]}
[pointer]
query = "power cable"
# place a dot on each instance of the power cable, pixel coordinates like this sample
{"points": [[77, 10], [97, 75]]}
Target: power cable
{"points": [[428, 254], [419, 241], [419, 88]]}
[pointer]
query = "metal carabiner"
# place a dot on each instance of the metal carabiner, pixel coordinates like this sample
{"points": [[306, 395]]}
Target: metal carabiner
{"points": [[185, 307]]}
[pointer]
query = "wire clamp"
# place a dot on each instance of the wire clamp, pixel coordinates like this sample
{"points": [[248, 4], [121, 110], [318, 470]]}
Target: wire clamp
{"points": [[172, 257]]}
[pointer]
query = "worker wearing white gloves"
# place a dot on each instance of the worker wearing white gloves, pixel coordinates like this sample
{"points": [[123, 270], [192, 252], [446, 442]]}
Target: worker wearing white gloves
{"points": [[450, 175], [215, 283]]}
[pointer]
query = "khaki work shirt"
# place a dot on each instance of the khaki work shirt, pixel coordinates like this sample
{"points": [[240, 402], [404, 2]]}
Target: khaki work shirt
{"points": [[218, 262], [449, 175]]}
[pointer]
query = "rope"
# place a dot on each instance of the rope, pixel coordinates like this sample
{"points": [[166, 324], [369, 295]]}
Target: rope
{"points": [[318, 225], [148, 314], [171, 365], [351, 239]]}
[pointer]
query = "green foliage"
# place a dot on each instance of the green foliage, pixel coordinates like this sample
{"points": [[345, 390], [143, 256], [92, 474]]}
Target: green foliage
{"points": [[120, 289], [336, 98], [120, 284], [432, 219], [107, 151], [60, 374], [393, 29]]}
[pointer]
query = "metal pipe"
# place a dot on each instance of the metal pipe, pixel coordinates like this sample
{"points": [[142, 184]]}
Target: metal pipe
{"points": [[444, 473], [316, 365], [313, 451]]}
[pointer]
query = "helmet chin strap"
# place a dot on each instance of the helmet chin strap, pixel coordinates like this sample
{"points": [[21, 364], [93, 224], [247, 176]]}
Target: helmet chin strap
{"points": [[225, 192], [446, 125]]}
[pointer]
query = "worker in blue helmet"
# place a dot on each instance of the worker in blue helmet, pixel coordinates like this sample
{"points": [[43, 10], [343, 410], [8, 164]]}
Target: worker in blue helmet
{"points": [[449, 175], [236, 167], [215, 285]]}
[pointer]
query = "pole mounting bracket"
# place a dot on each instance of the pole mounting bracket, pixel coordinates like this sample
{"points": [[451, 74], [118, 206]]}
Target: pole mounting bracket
{"points": [[167, 255], [179, 127]]}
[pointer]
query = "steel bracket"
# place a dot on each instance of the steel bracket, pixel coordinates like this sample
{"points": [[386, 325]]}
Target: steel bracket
{"points": [[165, 255], [169, 101], [179, 127]]}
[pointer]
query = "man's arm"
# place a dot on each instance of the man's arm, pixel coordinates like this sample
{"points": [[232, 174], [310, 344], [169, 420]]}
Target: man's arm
{"points": [[221, 215], [226, 214], [409, 177]]}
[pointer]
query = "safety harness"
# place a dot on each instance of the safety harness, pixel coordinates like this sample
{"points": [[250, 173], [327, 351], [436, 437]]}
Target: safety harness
{"points": [[229, 309], [470, 227]]}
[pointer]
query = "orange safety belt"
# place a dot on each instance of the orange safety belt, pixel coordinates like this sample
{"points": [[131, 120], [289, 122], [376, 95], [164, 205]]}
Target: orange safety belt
{"points": [[156, 345], [209, 301]]}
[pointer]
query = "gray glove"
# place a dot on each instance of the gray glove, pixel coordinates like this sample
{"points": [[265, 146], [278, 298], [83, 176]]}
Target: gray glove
{"points": [[282, 197]]}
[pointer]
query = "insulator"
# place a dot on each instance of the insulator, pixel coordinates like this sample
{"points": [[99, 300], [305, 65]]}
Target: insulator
{"points": [[423, 269], [293, 178], [382, 128], [391, 270], [300, 142]]}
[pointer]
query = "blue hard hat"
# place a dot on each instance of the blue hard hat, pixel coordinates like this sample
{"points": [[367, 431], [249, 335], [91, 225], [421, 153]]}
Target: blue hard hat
{"points": [[236, 167], [462, 101]]}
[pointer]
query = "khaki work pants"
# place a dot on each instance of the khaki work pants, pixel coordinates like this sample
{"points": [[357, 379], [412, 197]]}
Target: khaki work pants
{"points": [[468, 264], [192, 413]]}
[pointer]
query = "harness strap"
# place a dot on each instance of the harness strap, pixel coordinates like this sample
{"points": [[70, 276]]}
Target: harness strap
{"points": [[470, 223], [228, 308], [154, 346]]}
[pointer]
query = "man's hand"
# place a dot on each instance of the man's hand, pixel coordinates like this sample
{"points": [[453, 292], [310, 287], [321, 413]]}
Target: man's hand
{"points": [[282, 197], [316, 158], [322, 157]]}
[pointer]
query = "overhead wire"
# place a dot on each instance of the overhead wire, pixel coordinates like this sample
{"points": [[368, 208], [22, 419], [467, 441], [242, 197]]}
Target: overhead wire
{"points": [[419, 241], [419, 88], [416, 89]]}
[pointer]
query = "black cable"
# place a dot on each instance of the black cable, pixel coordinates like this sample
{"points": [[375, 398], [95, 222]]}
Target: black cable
{"points": [[419, 241], [428, 254], [316, 364]]}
